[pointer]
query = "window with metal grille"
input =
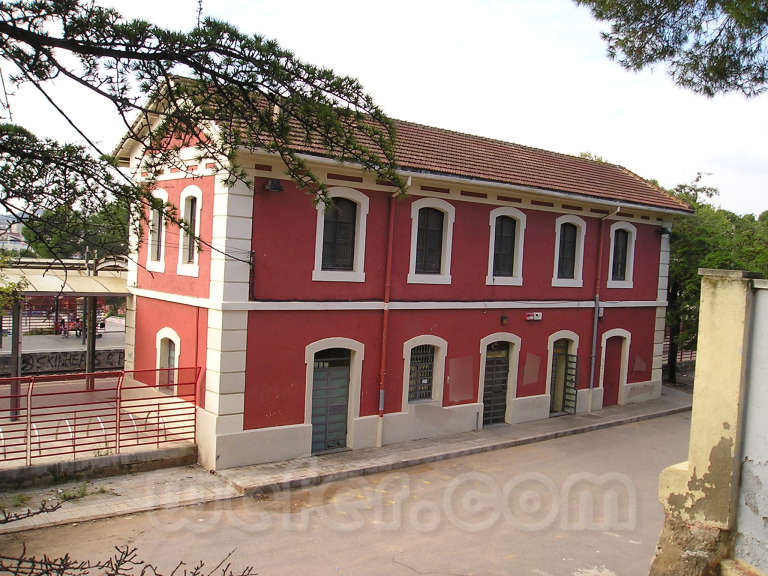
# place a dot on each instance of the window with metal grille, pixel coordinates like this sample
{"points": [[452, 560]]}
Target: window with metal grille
{"points": [[339, 235], [566, 265], [429, 241], [620, 245], [156, 235], [422, 372], [188, 239], [504, 247]]}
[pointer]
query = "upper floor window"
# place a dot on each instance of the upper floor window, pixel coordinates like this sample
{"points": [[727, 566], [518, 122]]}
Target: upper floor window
{"points": [[191, 204], [505, 254], [622, 255], [156, 240], [431, 239], [340, 237], [424, 369], [569, 251]]}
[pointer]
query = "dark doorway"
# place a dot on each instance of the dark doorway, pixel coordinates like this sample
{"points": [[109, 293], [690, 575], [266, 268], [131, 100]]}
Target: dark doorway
{"points": [[495, 386]]}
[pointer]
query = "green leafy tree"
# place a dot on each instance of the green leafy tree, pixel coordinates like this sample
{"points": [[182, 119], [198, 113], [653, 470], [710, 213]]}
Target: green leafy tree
{"points": [[212, 88], [712, 238], [711, 46]]}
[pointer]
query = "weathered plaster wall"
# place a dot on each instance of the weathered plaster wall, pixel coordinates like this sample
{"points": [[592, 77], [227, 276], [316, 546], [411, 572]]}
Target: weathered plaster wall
{"points": [[751, 544]]}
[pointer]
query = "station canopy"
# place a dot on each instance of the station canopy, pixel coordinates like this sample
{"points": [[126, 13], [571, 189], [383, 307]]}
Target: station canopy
{"points": [[41, 278]]}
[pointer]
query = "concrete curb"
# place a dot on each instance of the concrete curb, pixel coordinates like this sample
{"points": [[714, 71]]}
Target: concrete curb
{"points": [[408, 462]]}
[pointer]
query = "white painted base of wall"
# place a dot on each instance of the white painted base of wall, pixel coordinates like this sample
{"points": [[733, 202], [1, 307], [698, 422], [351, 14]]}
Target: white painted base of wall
{"points": [[587, 397], [363, 433], [431, 420], [641, 391], [529, 408]]}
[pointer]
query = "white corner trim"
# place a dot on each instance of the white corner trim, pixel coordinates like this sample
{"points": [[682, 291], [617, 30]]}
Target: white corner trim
{"points": [[151, 264], [445, 260], [515, 343], [189, 268], [357, 274], [627, 340], [438, 368], [629, 272], [357, 353], [581, 231], [517, 277], [573, 348]]}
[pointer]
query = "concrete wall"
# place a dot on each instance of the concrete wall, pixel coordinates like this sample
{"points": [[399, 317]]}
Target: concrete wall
{"points": [[716, 508], [751, 543]]}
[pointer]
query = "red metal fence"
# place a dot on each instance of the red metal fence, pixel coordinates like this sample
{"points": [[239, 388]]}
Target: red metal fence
{"points": [[682, 355], [47, 418]]}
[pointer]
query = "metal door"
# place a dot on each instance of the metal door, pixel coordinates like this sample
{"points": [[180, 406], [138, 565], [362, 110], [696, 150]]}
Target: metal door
{"points": [[330, 395], [565, 368], [495, 387]]}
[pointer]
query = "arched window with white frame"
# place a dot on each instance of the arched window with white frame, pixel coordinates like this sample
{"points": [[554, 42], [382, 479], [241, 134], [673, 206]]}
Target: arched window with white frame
{"points": [[622, 260], [190, 205], [167, 353], [505, 250], [569, 251], [431, 241], [340, 237], [156, 237], [423, 369]]}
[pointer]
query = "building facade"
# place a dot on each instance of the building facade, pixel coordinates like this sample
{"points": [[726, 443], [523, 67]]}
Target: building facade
{"points": [[509, 284]]}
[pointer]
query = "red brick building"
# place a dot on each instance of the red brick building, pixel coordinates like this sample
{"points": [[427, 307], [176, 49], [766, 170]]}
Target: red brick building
{"points": [[510, 284]]}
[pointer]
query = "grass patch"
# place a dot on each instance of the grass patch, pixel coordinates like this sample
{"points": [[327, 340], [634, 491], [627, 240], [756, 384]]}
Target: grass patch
{"points": [[75, 493]]}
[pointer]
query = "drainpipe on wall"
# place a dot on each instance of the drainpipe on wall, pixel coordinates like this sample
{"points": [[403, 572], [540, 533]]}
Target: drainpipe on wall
{"points": [[596, 316], [385, 321]]}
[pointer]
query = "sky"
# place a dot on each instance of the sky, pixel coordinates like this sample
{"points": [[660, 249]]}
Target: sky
{"points": [[534, 72]]}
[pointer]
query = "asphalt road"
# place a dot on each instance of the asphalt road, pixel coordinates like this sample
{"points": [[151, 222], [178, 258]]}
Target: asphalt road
{"points": [[582, 505]]}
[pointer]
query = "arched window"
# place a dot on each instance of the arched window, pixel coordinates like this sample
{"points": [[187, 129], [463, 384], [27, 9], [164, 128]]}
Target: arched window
{"points": [[168, 350], [569, 251], [156, 240], [622, 255], [340, 237], [431, 239], [505, 254], [424, 369], [190, 204]]}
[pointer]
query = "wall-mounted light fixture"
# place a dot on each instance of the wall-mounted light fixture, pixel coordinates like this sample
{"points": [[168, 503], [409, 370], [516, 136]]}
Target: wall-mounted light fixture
{"points": [[504, 319]]}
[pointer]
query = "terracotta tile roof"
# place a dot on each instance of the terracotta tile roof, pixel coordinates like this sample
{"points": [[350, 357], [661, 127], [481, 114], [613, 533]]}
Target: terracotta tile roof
{"points": [[438, 151]]}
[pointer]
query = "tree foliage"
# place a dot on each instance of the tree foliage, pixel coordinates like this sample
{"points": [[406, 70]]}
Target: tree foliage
{"points": [[213, 88], [711, 46], [712, 238]]}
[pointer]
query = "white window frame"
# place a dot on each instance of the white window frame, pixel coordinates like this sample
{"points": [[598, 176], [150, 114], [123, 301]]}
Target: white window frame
{"points": [[170, 334], [189, 268], [438, 368], [629, 272], [445, 258], [157, 265], [581, 228], [517, 278], [357, 274]]}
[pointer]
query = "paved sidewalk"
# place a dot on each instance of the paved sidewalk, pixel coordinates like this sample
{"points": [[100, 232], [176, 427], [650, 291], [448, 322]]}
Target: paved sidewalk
{"points": [[186, 485]]}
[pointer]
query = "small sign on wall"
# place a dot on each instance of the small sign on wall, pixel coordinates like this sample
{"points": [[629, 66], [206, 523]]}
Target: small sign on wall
{"points": [[531, 316]]}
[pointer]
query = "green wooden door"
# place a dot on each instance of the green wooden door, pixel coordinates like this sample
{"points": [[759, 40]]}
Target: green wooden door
{"points": [[330, 396]]}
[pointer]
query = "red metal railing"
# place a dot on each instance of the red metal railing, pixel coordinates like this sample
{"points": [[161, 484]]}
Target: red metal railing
{"points": [[83, 415], [682, 355]]}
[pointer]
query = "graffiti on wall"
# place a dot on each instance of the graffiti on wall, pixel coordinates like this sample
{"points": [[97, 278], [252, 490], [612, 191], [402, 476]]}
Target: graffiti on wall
{"points": [[65, 361]]}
